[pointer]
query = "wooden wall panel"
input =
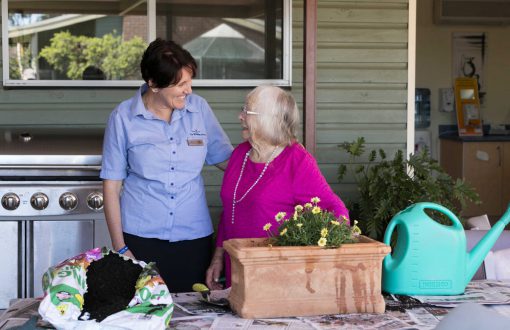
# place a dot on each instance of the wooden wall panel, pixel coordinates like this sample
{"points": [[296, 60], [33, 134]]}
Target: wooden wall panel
{"points": [[392, 134], [331, 72], [375, 54], [361, 81], [332, 154], [335, 32], [389, 11]]}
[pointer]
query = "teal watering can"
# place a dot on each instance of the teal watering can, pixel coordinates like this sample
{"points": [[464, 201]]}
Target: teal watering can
{"points": [[430, 258]]}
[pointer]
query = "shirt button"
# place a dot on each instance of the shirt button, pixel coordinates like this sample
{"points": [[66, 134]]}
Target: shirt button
{"points": [[171, 213], [171, 183], [172, 197], [172, 168], [173, 152], [171, 139]]}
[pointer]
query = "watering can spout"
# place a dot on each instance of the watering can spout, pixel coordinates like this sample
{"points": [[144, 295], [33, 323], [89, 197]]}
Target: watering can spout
{"points": [[478, 253]]}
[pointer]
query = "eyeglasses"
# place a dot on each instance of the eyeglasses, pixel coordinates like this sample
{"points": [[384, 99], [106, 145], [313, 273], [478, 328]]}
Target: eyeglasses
{"points": [[245, 110]]}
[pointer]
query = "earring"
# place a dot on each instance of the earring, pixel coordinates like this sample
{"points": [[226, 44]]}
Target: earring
{"points": [[154, 90]]}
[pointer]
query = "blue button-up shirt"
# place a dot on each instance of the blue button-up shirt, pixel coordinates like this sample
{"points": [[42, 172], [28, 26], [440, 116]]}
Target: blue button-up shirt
{"points": [[163, 192]]}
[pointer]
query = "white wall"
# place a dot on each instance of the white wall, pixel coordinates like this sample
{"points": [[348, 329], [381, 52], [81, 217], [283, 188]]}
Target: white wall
{"points": [[434, 63]]}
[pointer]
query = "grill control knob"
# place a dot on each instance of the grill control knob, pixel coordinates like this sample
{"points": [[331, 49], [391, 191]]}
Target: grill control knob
{"points": [[95, 201], [68, 201], [10, 201], [39, 201]]}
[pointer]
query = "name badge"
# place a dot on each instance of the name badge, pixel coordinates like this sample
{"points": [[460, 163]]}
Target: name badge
{"points": [[195, 142]]}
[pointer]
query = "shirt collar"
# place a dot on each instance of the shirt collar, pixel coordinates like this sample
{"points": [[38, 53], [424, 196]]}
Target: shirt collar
{"points": [[138, 108]]}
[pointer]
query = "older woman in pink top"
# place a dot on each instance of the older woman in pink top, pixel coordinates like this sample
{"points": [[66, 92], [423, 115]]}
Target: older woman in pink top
{"points": [[268, 173]]}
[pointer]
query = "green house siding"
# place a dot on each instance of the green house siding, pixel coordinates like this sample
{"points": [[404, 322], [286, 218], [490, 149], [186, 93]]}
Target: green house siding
{"points": [[361, 89], [361, 78]]}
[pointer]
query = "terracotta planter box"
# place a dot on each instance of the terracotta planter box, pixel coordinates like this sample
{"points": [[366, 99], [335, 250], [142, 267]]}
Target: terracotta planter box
{"points": [[303, 281]]}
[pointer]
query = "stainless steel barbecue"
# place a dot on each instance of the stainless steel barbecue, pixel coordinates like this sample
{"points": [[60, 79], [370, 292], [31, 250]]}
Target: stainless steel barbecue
{"points": [[51, 203]]}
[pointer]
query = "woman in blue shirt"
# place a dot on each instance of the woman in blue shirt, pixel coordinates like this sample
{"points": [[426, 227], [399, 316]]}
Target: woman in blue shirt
{"points": [[155, 146]]}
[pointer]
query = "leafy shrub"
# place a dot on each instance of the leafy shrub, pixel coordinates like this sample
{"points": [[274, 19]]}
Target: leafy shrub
{"points": [[389, 186], [118, 59]]}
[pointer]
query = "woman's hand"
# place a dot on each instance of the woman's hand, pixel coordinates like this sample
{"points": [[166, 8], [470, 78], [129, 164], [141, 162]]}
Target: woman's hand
{"points": [[214, 271], [213, 274]]}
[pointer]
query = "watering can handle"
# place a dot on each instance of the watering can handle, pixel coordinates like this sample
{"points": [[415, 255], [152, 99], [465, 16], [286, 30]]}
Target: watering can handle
{"points": [[389, 230], [433, 206], [388, 259]]}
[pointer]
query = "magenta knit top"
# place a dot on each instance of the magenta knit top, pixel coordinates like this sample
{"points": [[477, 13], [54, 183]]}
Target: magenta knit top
{"points": [[292, 178]]}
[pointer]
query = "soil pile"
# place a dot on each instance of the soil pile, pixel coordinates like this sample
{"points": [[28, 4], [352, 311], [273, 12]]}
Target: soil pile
{"points": [[110, 286]]}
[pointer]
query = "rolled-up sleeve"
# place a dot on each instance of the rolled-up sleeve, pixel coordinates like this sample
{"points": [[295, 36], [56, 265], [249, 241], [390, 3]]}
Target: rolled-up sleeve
{"points": [[219, 147], [114, 161]]}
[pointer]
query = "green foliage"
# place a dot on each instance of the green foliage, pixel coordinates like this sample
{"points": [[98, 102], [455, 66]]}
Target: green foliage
{"points": [[14, 72], [310, 225], [71, 54], [20, 61], [388, 186]]}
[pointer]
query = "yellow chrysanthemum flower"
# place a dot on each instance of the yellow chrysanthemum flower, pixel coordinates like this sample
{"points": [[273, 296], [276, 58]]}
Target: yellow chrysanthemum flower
{"points": [[316, 210], [324, 232], [322, 242], [308, 205], [298, 208], [279, 216], [345, 218], [294, 217], [283, 232], [316, 200], [336, 223], [299, 225], [267, 226]]}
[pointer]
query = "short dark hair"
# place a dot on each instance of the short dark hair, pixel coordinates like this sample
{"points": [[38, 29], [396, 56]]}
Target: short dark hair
{"points": [[162, 62]]}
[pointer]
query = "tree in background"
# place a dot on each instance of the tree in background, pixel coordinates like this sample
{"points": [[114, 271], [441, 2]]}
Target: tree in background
{"points": [[118, 59]]}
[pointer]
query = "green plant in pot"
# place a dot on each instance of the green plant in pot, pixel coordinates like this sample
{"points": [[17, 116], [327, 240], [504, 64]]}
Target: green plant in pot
{"points": [[389, 186], [310, 225]]}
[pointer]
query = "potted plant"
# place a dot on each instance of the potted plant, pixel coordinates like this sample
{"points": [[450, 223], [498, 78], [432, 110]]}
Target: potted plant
{"points": [[313, 264], [389, 186]]}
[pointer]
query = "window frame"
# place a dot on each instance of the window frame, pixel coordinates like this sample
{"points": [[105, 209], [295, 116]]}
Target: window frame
{"points": [[151, 16]]}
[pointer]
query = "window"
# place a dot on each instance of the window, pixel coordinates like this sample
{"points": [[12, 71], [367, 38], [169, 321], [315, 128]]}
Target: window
{"points": [[100, 43]]}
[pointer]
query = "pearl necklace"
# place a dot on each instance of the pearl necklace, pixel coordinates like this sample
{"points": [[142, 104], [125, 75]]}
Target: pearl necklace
{"points": [[234, 201]]}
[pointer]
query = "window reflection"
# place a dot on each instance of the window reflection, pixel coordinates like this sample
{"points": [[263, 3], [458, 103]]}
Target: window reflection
{"points": [[76, 40], [74, 43], [229, 39]]}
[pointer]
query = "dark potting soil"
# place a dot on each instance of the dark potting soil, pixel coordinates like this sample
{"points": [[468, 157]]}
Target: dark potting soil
{"points": [[110, 286]]}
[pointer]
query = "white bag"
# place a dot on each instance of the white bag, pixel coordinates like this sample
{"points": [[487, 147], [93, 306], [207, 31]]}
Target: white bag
{"points": [[65, 285]]}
